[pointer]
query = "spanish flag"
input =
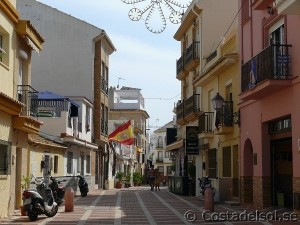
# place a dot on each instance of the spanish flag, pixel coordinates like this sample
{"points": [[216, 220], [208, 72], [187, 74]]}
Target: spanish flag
{"points": [[123, 134]]}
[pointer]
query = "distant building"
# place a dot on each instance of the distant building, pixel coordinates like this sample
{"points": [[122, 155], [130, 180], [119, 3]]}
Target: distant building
{"points": [[161, 157], [75, 63], [125, 104]]}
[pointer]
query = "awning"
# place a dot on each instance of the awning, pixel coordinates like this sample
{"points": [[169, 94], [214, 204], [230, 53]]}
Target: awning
{"points": [[32, 45], [174, 145]]}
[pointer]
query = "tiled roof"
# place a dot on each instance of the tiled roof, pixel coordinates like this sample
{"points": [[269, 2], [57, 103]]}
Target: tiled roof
{"points": [[37, 139]]}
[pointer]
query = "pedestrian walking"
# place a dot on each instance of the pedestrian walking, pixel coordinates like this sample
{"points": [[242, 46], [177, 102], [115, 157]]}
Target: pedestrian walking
{"points": [[151, 177], [157, 180]]}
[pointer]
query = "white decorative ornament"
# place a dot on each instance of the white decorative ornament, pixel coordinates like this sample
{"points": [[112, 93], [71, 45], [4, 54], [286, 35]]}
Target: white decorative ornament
{"points": [[153, 9]]}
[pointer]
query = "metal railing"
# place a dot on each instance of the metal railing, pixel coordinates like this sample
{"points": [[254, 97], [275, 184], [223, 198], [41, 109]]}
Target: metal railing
{"points": [[192, 52], [104, 127], [224, 116], [104, 85], [28, 96], [205, 122], [180, 64], [272, 63], [191, 105]]}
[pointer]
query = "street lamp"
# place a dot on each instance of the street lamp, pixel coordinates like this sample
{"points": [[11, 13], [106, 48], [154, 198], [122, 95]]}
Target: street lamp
{"points": [[218, 102]]}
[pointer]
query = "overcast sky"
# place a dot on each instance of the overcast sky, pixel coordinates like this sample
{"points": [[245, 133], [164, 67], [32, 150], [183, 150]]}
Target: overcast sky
{"points": [[143, 59]]}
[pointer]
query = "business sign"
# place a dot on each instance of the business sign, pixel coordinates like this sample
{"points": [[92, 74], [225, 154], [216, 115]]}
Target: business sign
{"points": [[191, 143]]}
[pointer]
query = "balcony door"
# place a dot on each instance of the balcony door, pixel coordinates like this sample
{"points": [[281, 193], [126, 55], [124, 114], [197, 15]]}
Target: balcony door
{"points": [[277, 38]]}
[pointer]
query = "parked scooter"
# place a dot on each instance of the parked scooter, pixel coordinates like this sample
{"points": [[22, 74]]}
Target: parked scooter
{"points": [[58, 190], [83, 186], [39, 201], [205, 183]]}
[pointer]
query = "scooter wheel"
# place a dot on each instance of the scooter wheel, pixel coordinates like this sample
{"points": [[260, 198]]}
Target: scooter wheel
{"points": [[83, 194], [53, 212], [32, 216]]}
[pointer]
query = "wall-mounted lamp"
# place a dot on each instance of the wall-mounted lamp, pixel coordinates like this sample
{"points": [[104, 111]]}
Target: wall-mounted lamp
{"points": [[227, 115], [270, 10]]}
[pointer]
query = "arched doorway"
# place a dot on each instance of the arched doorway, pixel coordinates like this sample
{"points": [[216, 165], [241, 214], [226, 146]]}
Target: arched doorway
{"points": [[247, 179]]}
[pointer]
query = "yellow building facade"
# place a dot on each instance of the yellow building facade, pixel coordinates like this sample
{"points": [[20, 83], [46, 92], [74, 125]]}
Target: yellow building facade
{"points": [[17, 39]]}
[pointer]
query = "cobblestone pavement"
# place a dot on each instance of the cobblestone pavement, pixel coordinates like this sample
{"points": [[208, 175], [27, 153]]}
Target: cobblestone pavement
{"points": [[139, 205]]}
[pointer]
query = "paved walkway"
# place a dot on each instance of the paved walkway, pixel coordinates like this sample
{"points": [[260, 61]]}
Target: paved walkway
{"points": [[139, 205]]}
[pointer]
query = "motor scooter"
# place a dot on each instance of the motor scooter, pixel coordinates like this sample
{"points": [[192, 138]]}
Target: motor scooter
{"points": [[83, 186], [39, 201], [205, 183], [58, 190]]}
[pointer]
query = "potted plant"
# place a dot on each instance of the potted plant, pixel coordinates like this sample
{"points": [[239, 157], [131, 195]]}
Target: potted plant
{"points": [[127, 182], [137, 179], [119, 176], [24, 184]]}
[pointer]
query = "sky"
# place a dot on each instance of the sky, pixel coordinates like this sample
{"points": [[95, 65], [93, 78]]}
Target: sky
{"points": [[143, 59]]}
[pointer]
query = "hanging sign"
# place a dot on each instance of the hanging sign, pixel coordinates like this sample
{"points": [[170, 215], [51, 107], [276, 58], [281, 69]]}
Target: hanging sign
{"points": [[191, 143]]}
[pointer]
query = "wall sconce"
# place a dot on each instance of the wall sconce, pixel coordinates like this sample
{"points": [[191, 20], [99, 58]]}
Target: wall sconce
{"points": [[218, 103], [270, 10]]}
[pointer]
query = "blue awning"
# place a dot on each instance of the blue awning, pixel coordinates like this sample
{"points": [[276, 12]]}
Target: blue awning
{"points": [[47, 95]]}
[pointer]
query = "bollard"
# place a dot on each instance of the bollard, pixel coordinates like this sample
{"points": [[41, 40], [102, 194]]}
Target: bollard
{"points": [[69, 200], [209, 199]]}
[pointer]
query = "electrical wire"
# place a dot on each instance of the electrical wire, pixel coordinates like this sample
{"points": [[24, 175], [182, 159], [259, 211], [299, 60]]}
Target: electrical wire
{"points": [[164, 98]]}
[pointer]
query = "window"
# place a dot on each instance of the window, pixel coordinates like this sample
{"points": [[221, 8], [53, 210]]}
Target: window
{"points": [[2, 52], [55, 164], [88, 164], [159, 142], [5, 159], [227, 161], [88, 119], [167, 154], [69, 162], [169, 169], [160, 169], [4, 46], [212, 163]]}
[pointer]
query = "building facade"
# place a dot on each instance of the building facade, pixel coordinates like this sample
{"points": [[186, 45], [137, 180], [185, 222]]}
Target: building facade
{"points": [[207, 66], [18, 38], [269, 48], [75, 63]]}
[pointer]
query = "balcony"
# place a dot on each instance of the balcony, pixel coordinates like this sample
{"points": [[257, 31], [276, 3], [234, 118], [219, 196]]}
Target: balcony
{"points": [[159, 160], [181, 72], [224, 119], [104, 85], [24, 122], [266, 73], [205, 124], [192, 59], [104, 127], [29, 97], [288, 7], [188, 110]]}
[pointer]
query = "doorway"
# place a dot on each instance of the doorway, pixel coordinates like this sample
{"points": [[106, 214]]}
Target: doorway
{"points": [[282, 172]]}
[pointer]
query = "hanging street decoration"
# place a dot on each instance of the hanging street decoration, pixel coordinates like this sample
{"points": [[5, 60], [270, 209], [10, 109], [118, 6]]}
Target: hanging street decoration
{"points": [[153, 12]]}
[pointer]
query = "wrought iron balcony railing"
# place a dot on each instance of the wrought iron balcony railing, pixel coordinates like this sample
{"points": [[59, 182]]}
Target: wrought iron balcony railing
{"points": [[188, 107], [272, 63], [191, 105], [28, 96], [104, 127], [205, 122], [224, 116], [192, 52], [104, 85], [180, 64]]}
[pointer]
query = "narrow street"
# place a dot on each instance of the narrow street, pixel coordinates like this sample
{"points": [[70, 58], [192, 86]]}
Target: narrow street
{"points": [[138, 205]]}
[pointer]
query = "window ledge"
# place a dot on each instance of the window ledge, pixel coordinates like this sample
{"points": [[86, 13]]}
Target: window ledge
{"points": [[5, 66], [3, 177]]}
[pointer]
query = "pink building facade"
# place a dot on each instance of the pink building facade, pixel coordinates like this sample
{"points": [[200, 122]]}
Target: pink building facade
{"points": [[269, 41]]}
